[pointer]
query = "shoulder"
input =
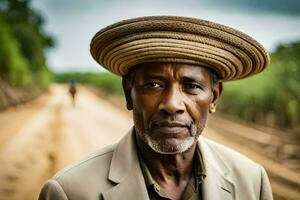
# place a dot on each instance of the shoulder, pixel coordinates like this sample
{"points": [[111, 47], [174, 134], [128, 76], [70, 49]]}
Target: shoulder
{"points": [[87, 177], [241, 167], [95, 162]]}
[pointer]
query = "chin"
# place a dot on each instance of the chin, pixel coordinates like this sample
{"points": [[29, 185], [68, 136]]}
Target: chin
{"points": [[170, 145]]}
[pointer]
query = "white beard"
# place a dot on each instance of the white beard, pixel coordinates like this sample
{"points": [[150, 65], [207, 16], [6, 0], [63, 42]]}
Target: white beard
{"points": [[178, 146]]}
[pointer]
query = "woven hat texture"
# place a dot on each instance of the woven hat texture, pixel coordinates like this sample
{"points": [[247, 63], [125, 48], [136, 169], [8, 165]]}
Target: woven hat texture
{"points": [[231, 53]]}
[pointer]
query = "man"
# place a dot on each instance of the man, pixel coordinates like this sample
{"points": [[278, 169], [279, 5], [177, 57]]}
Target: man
{"points": [[73, 91], [172, 69]]}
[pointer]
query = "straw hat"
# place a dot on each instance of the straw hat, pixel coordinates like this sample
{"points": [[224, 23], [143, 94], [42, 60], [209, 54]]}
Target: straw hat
{"points": [[231, 53]]}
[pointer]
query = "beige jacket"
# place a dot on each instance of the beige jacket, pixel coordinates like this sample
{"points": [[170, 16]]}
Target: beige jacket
{"points": [[114, 173]]}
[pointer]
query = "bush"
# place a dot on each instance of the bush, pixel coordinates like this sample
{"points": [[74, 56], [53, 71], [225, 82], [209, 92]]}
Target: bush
{"points": [[44, 77], [272, 97], [22, 45], [14, 67]]}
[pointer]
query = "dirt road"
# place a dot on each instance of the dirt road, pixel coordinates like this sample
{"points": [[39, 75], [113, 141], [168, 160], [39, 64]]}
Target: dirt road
{"points": [[41, 137], [32, 135]]}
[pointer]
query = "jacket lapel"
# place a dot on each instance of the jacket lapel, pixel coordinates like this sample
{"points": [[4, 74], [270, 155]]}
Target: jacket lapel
{"points": [[125, 172], [217, 184]]}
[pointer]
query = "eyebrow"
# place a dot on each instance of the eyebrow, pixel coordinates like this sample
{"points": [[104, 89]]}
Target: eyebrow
{"points": [[192, 79], [154, 76]]}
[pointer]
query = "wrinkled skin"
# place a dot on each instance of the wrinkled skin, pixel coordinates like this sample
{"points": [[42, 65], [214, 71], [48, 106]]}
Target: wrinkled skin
{"points": [[170, 103]]}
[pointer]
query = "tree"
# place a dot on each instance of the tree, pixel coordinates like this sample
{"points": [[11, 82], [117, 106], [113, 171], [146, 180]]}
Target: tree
{"points": [[25, 25]]}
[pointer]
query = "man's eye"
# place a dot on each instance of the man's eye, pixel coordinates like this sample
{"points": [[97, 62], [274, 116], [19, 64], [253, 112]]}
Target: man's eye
{"points": [[192, 86], [152, 85]]}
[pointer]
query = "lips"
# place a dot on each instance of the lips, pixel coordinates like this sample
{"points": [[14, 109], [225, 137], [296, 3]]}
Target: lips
{"points": [[169, 128]]}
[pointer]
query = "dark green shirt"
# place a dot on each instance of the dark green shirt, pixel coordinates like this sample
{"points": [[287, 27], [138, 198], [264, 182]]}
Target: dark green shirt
{"points": [[192, 190]]}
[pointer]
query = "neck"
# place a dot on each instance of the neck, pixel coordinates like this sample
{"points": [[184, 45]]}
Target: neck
{"points": [[166, 168]]}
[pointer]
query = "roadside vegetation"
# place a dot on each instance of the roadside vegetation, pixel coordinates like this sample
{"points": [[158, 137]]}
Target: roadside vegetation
{"points": [[271, 98], [22, 46], [23, 70]]}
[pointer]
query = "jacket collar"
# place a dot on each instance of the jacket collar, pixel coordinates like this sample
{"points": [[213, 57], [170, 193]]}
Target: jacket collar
{"points": [[125, 171], [217, 183]]}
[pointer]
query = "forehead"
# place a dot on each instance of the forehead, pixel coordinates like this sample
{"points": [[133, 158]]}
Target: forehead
{"points": [[174, 70]]}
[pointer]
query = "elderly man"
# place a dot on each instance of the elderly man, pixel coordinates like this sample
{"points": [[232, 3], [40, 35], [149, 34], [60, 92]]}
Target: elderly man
{"points": [[172, 69]]}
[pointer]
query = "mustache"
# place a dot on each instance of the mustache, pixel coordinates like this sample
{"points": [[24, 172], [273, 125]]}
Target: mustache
{"points": [[171, 122]]}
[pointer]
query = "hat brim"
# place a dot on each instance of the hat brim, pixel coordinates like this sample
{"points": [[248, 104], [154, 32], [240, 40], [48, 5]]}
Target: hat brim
{"points": [[229, 52]]}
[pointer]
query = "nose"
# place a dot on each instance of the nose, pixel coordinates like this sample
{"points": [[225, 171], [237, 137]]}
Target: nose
{"points": [[172, 101]]}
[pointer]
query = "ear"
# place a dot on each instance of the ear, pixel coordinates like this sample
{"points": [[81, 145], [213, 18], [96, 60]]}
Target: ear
{"points": [[216, 93], [127, 91]]}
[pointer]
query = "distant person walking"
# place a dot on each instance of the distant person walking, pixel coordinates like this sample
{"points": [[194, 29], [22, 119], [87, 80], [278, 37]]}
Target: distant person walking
{"points": [[73, 91]]}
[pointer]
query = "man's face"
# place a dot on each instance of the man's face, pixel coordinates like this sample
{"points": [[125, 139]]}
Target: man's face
{"points": [[170, 103]]}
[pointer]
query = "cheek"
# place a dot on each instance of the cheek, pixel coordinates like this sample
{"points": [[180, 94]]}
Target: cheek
{"points": [[198, 108], [144, 106]]}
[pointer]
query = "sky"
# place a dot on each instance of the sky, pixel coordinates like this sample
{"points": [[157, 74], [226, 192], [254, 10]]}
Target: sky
{"points": [[74, 22]]}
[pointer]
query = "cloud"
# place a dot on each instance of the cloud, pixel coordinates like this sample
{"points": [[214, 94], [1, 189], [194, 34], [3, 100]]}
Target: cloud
{"points": [[291, 7]]}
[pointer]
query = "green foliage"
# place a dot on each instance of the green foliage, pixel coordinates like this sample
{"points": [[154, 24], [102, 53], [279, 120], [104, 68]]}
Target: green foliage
{"points": [[44, 77], [105, 81], [22, 46], [272, 97], [13, 66], [31, 45]]}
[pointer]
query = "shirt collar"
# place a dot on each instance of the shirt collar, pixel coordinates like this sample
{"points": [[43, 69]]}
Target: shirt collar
{"points": [[199, 171]]}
